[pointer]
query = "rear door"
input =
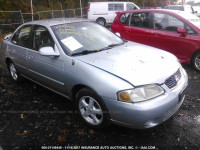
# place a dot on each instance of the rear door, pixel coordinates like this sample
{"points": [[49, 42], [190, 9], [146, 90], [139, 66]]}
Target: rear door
{"points": [[166, 37], [47, 70], [20, 44], [139, 28]]}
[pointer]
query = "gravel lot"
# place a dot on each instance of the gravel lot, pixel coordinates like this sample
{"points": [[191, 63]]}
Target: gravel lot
{"points": [[32, 116]]}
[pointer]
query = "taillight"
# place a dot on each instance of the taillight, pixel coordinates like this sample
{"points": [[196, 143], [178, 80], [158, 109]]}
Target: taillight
{"points": [[88, 7]]}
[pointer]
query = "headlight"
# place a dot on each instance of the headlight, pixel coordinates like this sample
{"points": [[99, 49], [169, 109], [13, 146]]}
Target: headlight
{"points": [[139, 94]]}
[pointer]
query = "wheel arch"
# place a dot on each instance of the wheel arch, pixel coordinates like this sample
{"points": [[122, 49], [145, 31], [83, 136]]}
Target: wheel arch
{"points": [[77, 88], [101, 18], [193, 62], [7, 61], [191, 59]]}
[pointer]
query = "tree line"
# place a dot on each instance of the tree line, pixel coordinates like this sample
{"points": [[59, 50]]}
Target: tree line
{"points": [[41, 5]]}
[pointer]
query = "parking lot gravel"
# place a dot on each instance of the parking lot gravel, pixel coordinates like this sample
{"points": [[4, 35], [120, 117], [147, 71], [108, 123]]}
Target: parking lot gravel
{"points": [[32, 117]]}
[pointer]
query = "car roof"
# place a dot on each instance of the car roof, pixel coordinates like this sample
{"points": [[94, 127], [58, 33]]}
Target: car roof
{"points": [[174, 5], [110, 2], [151, 10], [178, 5], [56, 21]]}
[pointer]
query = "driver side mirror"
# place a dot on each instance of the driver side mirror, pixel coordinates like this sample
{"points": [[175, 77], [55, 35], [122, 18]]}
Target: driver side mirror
{"points": [[49, 51], [182, 31], [7, 36]]}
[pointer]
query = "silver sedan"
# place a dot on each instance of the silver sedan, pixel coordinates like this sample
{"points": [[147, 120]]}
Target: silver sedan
{"points": [[107, 78]]}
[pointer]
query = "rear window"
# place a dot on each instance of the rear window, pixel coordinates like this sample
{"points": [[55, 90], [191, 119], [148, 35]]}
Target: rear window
{"points": [[115, 7], [124, 18]]}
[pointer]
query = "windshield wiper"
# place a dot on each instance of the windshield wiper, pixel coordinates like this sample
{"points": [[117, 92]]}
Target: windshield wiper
{"points": [[84, 52], [112, 45]]}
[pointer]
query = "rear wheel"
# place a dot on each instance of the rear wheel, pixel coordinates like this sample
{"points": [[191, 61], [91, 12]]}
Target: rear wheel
{"points": [[92, 109], [196, 61], [15, 75], [101, 21]]}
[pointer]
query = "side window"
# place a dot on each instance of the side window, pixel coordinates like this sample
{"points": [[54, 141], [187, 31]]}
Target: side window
{"points": [[15, 37], [130, 6], [174, 23], [190, 30], [140, 20], [111, 7], [124, 18], [115, 7], [166, 22], [119, 7], [22, 36], [159, 21], [41, 38]]}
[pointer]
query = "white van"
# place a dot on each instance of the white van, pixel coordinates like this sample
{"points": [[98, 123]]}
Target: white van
{"points": [[105, 12]]}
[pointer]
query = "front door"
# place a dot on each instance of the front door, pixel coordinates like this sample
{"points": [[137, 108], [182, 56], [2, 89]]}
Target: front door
{"points": [[47, 70], [166, 37]]}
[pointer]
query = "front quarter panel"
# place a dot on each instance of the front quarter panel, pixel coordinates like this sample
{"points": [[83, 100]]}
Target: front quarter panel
{"points": [[102, 82], [4, 50]]}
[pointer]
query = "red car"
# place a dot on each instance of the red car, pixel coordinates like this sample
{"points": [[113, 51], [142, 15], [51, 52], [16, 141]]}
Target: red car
{"points": [[177, 32]]}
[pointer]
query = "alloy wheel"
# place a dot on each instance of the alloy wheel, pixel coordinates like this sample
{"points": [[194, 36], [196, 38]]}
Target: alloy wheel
{"points": [[90, 110], [13, 72], [197, 62]]}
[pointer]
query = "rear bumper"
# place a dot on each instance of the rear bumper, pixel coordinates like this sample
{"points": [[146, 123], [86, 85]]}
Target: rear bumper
{"points": [[148, 113]]}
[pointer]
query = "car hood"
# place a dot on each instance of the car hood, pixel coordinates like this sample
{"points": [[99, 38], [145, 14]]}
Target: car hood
{"points": [[136, 63]]}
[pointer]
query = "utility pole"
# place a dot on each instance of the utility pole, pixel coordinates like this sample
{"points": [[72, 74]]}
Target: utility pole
{"points": [[32, 9], [81, 8]]}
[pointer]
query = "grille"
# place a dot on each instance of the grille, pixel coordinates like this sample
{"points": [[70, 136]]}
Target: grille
{"points": [[172, 111], [172, 81]]}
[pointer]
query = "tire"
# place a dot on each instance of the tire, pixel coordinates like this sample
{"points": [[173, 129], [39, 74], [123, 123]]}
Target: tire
{"points": [[15, 75], [101, 21], [91, 109], [196, 61]]}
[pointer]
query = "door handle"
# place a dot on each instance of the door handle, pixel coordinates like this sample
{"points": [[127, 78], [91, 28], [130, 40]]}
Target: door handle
{"points": [[12, 50], [128, 30], [30, 57], [156, 34]]}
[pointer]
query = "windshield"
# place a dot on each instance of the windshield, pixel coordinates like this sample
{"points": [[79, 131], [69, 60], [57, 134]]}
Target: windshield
{"points": [[84, 36]]}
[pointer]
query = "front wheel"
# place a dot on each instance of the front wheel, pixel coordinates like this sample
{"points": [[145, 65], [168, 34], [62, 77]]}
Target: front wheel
{"points": [[196, 61], [92, 109]]}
